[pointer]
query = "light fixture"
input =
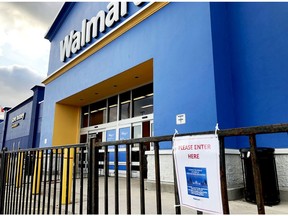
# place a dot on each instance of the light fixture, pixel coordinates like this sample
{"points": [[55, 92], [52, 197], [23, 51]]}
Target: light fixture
{"points": [[104, 108], [146, 106], [138, 98], [114, 105], [124, 102]]}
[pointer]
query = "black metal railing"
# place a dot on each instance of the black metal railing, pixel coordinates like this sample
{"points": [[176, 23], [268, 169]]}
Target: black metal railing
{"points": [[53, 180], [42, 181], [93, 181]]}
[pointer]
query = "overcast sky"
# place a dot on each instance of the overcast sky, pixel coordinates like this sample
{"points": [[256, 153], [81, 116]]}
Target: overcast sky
{"points": [[24, 53]]}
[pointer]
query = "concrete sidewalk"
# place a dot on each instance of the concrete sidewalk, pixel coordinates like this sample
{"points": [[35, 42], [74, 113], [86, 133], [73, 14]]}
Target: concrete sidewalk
{"points": [[236, 207], [167, 198]]}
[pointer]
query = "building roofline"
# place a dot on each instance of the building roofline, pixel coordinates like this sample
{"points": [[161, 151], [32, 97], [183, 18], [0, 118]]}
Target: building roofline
{"points": [[59, 19], [27, 100]]}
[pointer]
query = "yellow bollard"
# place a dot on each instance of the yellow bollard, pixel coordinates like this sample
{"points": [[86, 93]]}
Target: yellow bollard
{"points": [[36, 175], [19, 170], [64, 175], [8, 168]]}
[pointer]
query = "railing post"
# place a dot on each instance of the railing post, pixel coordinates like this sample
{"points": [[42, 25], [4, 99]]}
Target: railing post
{"points": [[157, 178], [96, 181], [223, 179], [142, 192], [2, 180], [177, 200], [90, 177], [116, 177], [128, 180], [106, 183], [256, 175]]}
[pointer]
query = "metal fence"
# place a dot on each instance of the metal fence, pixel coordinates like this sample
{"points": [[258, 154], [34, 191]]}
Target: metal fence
{"points": [[55, 180], [43, 181]]}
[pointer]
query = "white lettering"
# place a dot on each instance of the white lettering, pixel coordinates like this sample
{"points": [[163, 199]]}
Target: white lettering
{"points": [[91, 29], [98, 21], [124, 9], [137, 3], [65, 47], [83, 37], [113, 13], [76, 42], [19, 117]]}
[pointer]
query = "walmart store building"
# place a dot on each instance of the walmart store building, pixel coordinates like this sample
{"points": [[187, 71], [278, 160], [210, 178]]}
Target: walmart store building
{"points": [[126, 70]]}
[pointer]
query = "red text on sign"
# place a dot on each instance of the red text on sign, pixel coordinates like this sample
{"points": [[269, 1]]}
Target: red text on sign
{"points": [[193, 156]]}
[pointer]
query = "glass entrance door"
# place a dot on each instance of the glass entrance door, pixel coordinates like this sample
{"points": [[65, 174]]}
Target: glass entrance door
{"points": [[139, 130], [98, 136]]}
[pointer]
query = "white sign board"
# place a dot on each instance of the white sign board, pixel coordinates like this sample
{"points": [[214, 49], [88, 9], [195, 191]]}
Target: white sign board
{"points": [[198, 172], [180, 119]]}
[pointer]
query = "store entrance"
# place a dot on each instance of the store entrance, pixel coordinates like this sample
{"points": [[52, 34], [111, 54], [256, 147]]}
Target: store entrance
{"points": [[140, 130]]}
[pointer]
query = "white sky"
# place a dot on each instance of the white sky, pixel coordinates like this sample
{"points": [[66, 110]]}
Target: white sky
{"points": [[24, 53]]}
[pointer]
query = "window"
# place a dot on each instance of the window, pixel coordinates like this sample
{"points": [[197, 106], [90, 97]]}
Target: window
{"points": [[143, 100], [83, 138], [98, 113], [125, 103], [84, 118], [112, 108], [137, 102]]}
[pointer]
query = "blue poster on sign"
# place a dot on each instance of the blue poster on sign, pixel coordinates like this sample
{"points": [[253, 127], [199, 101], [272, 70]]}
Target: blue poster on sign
{"points": [[197, 181], [111, 136], [124, 134]]}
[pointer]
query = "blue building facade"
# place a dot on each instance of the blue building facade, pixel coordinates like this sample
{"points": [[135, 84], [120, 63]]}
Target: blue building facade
{"points": [[211, 62], [21, 127]]}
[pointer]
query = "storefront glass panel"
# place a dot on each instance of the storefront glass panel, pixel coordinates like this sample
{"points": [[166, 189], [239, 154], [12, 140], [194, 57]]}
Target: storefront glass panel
{"points": [[98, 113], [143, 100]]}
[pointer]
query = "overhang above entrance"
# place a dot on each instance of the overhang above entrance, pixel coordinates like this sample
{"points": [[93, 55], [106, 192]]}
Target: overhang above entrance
{"points": [[131, 78]]}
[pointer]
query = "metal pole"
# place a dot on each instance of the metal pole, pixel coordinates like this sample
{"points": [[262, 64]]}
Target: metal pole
{"points": [[223, 180], [256, 175], [142, 192], [3, 181], [96, 182], [116, 185], [157, 177], [177, 199], [90, 174], [106, 169], [128, 180]]}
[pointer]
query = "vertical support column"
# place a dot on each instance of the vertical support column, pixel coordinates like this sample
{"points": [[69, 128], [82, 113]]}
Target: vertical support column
{"points": [[223, 179], [67, 175], [256, 175]]}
